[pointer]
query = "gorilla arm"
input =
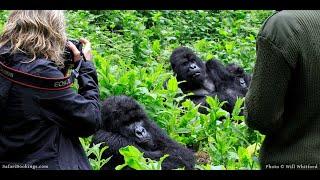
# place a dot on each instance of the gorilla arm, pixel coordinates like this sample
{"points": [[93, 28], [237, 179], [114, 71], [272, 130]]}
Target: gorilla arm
{"points": [[199, 97], [115, 141], [112, 140], [216, 71]]}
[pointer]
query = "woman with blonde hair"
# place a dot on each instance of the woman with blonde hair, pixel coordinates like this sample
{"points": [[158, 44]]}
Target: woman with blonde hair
{"points": [[40, 127]]}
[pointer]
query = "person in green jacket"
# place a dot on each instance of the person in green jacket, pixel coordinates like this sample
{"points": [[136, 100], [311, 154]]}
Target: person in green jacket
{"points": [[283, 101]]}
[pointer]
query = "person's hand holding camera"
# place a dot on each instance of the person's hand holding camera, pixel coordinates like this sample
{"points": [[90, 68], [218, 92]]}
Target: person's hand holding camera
{"points": [[86, 50]]}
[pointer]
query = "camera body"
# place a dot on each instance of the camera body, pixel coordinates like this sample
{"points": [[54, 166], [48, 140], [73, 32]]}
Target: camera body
{"points": [[68, 56]]}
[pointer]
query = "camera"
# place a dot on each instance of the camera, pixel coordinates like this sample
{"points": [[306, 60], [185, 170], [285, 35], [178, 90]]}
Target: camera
{"points": [[68, 54]]}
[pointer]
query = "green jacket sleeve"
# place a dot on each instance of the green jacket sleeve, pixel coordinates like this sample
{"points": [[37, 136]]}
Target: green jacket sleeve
{"points": [[264, 102]]}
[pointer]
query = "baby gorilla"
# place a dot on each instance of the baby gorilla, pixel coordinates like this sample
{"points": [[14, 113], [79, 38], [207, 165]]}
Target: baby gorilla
{"points": [[126, 123], [239, 74], [209, 78]]}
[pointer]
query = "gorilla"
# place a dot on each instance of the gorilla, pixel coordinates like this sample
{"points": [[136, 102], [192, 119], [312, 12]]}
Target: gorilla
{"points": [[240, 75], [126, 123], [209, 78]]}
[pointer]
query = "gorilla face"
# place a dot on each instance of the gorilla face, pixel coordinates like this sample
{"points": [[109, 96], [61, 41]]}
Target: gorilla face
{"points": [[241, 77], [126, 117], [187, 65], [138, 132]]}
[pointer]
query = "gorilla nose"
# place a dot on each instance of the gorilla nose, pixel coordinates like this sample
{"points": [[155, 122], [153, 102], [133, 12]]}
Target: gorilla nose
{"points": [[193, 66], [140, 131]]}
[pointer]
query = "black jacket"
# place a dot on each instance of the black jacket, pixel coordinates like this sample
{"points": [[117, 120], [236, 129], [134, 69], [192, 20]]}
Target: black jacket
{"points": [[41, 127]]}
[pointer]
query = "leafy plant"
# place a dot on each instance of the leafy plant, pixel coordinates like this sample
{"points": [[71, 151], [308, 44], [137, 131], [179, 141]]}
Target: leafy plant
{"points": [[135, 160], [98, 161]]}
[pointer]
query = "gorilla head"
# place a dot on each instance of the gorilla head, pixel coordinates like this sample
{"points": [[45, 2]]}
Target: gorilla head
{"points": [[209, 78], [187, 65], [235, 69], [132, 123], [239, 74], [126, 123]]}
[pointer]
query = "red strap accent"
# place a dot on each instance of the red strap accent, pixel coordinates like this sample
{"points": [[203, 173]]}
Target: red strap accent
{"points": [[39, 79], [35, 87]]}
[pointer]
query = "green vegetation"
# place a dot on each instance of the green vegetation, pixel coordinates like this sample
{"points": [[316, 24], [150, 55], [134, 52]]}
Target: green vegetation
{"points": [[131, 53], [134, 159]]}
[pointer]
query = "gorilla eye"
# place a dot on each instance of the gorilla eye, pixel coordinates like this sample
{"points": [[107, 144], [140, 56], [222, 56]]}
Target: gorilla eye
{"points": [[127, 123], [185, 63]]}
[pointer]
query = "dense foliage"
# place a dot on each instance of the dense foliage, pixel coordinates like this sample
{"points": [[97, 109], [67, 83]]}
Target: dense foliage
{"points": [[131, 53]]}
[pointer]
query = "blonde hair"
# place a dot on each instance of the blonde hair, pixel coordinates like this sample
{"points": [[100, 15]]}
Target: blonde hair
{"points": [[37, 33]]}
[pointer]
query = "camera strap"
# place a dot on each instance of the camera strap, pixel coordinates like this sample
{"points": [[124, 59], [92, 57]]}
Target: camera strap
{"points": [[75, 72], [36, 82]]}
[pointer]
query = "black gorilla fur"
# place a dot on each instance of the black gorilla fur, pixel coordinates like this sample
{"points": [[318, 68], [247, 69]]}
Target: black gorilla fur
{"points": [[209, 78], [126, 123]]}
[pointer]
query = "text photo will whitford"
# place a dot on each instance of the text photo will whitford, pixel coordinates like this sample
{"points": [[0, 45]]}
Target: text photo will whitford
{"points": [[292, 166]]}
